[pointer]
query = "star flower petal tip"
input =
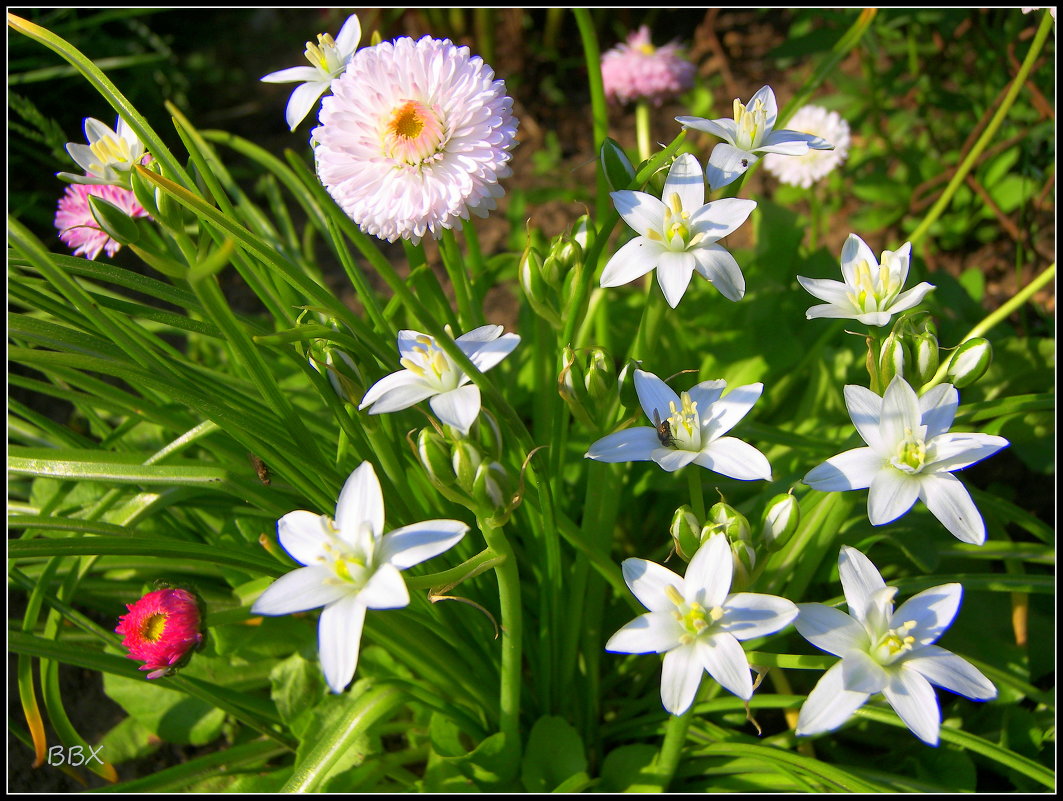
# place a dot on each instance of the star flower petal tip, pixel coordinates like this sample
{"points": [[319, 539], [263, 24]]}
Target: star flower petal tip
{"points": [[350, 566], [697, 623], [885, 651]]}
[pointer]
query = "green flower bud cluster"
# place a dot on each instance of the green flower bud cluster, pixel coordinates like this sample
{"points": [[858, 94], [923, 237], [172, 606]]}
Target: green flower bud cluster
{"points": [[548, 281], [460, 471], [587, 384], [910, 351], [688, 534]]}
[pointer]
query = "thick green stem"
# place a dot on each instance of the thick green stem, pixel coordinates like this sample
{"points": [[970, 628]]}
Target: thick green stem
{"points": [[697, 499], [642, 128], [675, 735], [599, 113]]}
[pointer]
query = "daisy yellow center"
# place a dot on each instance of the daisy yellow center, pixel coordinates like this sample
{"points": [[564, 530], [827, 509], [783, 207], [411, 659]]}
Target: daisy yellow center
{"points": [[685, 424], [911, 454], [894, 644], [324, 55], [432, 364], [646, 49], [752, 123], [693, 617], [412, 133], [112, 150], [154, 627]]}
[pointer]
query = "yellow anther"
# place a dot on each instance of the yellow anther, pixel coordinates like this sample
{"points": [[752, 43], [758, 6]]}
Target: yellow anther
{"points": [[674, 595]]}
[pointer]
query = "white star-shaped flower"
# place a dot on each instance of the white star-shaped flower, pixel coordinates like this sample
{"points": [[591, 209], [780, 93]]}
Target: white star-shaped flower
{"points": [[429, 373], [109, 155], [910, 455], [886, 651], [750, 133], [350, 566], [696, 624], [688, 428], [871, 292], [678, 235], [328, 58]]}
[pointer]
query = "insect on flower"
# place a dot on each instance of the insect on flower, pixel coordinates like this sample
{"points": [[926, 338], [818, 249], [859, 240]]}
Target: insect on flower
{"points": [[664, 430]]}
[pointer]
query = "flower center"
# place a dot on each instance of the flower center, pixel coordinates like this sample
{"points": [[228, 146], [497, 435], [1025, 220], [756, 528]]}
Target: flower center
{"points": [[324, 55], [685, 424], [351, 564], [646, 49], [752, 124], [429, 362], [111, 150], [894, 644], [412, 133], [911, 455], [873, 290], [693, 617], [676, 228], [154, 627]]}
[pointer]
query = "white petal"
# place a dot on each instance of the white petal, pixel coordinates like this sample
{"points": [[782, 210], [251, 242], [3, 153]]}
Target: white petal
{"points": [[303, 535], [724, 127], [302, 589], [349, 36], [397, 391], [729, 410], [673, 274], [913, 297], [834, 292], [303, 99], [726, 163], [914, 701], [707, 393], [952, 672], [339, 636], [771, 109], [484, 333], [641, 211], [861, 581], [654, 395], [629, 445], [648, 581], [650, 633], [877, 318], [829, 704], [862, 674], [751, 614], [736, 459], [458, 408], [722, 217], [96, 130], [385, 589], [408, 339], [709, 574], [292, 75], [413, 544], [900, 414], [830, 629], [361, 501], [786, 143], [685, 179], [632, 261], [680, 679], [950, 502], [722, 656], [891, 495], [82, 155], [931, 610], [865, 410], [672, 459], [938, 408], [957, 451], [714, 263], [854, 251], [830, 311], [849, 470], [488, 354]]}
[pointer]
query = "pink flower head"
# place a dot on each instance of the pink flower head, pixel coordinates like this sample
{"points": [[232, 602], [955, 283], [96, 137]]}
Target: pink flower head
{"points": [[161, 629], [414, 138], [636, 69], [79, 230]]}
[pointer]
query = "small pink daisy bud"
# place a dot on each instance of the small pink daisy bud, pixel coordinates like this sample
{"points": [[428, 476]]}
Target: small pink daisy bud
{"points": [[636, 69], [161, 630], [79, 230]]}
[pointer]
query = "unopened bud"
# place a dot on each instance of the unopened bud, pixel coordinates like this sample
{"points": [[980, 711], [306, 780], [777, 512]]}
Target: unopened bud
{"points": [[686, 532], [434, 454], [465, 459], [969, 362], [542, 295], [491, 488], [780, 521], [924, 358], [600, 378], [892, 358], [725, 519], [113, 221]]}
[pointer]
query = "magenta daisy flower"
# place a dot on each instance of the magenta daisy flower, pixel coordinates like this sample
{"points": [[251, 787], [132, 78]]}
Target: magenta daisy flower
{"points": [[414, 137], [161, 629], [79, 230], [636, 69]]}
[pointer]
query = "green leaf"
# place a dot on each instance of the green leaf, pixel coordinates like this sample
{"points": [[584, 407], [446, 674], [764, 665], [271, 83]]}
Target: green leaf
{"points": [[172, 716], [618, 170], [629, 769], [554, 755]]}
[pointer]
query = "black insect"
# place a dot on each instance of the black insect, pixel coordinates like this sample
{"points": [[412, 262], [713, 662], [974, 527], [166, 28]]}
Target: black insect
{"points": [[664, 430], [745, 162], [260, 468]]}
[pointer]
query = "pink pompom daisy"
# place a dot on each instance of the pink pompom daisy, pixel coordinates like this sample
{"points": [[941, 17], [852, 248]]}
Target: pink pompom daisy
{"points": [[636, 69], [414, 137], [79, 230], [161, 629]]}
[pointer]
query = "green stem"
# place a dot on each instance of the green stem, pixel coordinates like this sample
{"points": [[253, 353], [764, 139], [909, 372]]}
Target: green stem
{"points": [[697, 499], [642, 128], [675, 735], [599, 113], [512, 633], [987, 135], [459, 280]]}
